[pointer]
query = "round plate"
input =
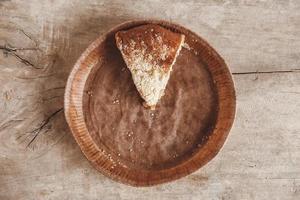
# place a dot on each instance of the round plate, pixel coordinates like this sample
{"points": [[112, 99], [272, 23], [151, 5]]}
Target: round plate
{"points": [[137, 146]]}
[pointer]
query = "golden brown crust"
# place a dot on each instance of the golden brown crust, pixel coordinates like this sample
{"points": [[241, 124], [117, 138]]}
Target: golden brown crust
{"points": [[159, 43]]}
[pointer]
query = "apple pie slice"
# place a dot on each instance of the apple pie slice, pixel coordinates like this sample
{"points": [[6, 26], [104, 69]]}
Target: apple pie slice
{"points": [[149, 52]]}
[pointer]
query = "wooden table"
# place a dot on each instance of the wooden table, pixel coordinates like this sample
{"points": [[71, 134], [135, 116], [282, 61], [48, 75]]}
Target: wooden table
{"points": [[41, 40]]}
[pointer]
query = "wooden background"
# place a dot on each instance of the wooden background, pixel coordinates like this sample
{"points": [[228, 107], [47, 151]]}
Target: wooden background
{"points": [[41, 40]]}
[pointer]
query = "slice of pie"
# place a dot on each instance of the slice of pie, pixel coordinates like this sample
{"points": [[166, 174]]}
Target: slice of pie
{"points": [[149, 52]]}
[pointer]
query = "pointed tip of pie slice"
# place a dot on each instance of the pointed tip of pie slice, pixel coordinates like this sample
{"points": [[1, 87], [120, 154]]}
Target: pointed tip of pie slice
{"points": [[149, 52]]}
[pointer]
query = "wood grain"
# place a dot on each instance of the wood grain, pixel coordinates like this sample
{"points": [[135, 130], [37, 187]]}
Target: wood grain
{"points": [[260, 159]]}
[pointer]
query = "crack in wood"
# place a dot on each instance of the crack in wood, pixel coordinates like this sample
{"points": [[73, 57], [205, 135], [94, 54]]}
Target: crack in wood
{"points": [[10, 50], [38, 130], [25, 61], [29, 37], [55, 88], [267, 72]]}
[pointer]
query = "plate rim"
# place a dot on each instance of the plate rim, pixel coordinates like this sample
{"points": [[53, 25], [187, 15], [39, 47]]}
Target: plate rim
{"points": [[73, 99]]}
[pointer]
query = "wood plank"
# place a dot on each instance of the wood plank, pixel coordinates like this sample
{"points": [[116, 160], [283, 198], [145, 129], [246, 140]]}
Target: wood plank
{"points": [[260, 159], [250, 35]]}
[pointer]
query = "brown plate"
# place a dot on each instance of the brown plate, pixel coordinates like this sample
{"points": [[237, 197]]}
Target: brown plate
{"points": [[137, 146]]}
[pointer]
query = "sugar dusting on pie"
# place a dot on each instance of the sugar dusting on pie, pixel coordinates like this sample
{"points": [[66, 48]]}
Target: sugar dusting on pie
{"points": [[149, 52]]}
